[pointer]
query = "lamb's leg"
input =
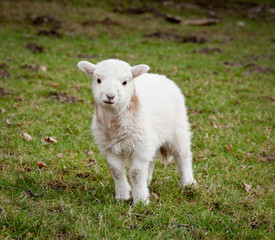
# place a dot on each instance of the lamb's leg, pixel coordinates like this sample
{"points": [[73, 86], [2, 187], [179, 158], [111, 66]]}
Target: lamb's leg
{"points": [[184, 163], [139, 175], [117, 167], [150, 171]]}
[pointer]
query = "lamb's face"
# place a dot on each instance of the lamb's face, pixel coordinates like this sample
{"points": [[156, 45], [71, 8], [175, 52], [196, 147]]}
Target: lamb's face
{"points": [[112, 82]]}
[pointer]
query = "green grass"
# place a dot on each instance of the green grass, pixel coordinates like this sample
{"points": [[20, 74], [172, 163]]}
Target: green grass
{"points": [[69, 199]]}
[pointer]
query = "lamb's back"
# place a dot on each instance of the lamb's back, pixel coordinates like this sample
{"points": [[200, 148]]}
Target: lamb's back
{"points": [[161, 102]]}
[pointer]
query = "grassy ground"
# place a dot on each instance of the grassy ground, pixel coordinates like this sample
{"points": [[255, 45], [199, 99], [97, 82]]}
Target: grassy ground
{"points": [[228, 82]]}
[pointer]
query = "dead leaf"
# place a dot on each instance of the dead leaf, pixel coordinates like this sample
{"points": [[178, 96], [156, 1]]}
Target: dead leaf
{"points": [[50, 139], [214, 125], [247, 187], [41, 164], [211, 208], [229, 146], [90, 153], [91, 162], [8, 121], [43, 68], [60, 155], [54, 84], [27, 136]]}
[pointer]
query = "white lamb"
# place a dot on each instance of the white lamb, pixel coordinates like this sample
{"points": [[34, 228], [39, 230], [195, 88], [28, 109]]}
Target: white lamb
{"points": [[137, 114]]}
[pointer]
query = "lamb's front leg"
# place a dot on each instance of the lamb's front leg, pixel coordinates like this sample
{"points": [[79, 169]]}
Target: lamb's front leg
{"points": [[139, 176], [117, 167]]}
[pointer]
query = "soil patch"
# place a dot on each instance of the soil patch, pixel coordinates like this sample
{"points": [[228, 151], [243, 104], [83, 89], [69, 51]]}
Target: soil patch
{"points": [[49, 33], [58, 184], [269, 158], [266, 98], [137, 11], [63, 97], [252, 68], [3, 72], [80, 55], [46, 21], [104, 22], [176, 37], [233, 64], [207, 50], [3, 92], [35, 48]]}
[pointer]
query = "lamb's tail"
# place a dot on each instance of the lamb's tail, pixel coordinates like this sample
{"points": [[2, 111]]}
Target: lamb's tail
{"points": [[165, 155]]}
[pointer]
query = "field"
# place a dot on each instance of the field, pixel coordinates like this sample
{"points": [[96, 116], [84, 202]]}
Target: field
{"points": [[225, 66]]}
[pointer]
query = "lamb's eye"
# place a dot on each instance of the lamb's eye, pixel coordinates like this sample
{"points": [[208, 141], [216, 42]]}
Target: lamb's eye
{"points": [[98, 81], [124, 83]]}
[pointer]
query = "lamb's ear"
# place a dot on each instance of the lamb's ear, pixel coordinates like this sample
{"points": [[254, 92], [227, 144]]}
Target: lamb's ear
{"points": [[86, 67], [139, 69]]}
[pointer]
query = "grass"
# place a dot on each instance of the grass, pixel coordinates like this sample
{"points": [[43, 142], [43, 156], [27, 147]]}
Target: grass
{"points": [[230, 99]]}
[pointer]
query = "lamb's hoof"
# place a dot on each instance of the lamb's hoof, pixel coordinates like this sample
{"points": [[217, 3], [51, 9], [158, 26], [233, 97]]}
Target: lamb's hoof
{"points": [[191, 182], [123, 197], [144, 201]]}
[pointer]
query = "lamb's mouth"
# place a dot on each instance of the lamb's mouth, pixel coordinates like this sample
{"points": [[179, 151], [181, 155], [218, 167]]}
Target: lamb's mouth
{"points": [[108, 102]]}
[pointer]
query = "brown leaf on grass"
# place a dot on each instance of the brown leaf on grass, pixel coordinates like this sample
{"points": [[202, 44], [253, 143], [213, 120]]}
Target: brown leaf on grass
{"points": [[27, 136], [92, 162], [229, 146], [41, 164], [247, 187], [90, 153], [43, 68], [50, 139], [54, 84]]}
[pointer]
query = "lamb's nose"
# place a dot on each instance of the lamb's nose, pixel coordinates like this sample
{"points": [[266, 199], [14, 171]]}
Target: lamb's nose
{"points": [[110, 96]]}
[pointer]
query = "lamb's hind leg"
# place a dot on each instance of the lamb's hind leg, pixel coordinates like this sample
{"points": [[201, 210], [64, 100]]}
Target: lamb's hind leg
{"points": [[184, 163], [150, 171], [117, 167], [183, 158]]}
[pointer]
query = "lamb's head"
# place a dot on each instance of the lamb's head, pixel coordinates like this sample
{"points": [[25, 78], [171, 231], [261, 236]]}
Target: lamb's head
{"points": [[112, 84]]}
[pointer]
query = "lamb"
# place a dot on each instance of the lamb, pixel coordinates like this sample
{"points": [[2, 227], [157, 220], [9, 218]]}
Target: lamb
{"points": [[138, 114]]}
